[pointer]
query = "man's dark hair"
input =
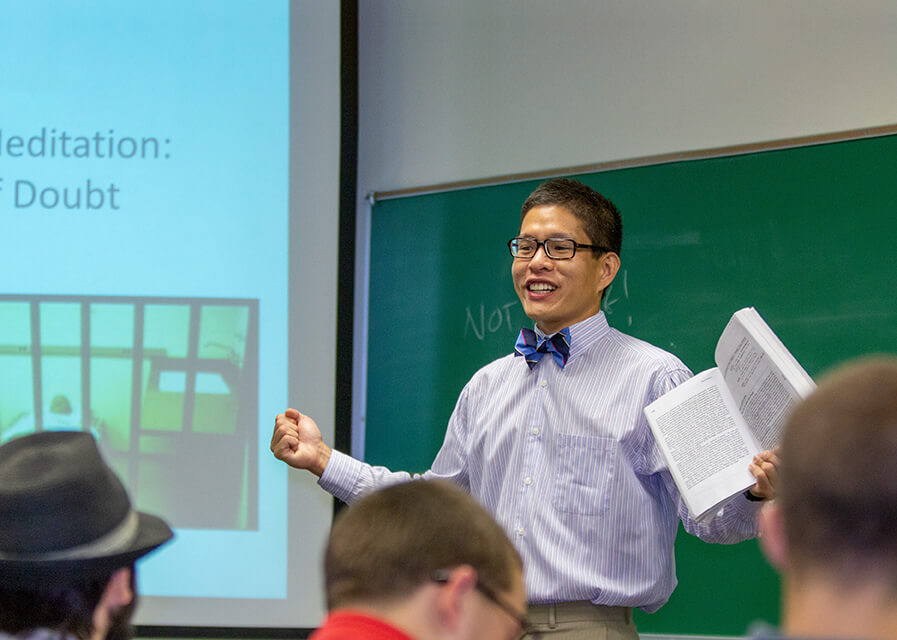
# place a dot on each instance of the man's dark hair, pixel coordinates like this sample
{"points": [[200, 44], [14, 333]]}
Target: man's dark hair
{"points": [[838, 485], [65, 605], [600, 218], [392, 541]]}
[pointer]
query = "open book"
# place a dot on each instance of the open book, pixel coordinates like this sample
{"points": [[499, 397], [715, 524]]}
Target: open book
{"points": [[710, 427]]}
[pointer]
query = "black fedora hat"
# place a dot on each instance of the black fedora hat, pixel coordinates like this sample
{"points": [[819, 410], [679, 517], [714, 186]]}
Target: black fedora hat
{"points": [[64, 514]]}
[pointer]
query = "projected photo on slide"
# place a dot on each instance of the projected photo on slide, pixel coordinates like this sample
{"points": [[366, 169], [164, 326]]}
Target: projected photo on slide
{"points": [[168, 386]]}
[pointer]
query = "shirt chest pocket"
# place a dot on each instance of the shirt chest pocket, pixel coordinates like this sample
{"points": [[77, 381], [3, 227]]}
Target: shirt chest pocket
{"points": [[584, 476]]}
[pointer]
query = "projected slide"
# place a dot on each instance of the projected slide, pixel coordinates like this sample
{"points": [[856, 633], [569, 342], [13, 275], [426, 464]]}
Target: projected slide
{"points": [[144, 180], [168, 387]]}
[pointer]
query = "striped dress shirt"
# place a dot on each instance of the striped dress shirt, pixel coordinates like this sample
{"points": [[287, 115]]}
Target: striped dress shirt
{"points": [[566, 462]]}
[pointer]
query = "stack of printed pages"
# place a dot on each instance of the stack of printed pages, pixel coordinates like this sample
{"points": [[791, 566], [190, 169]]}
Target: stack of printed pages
{"points": [[710, 427]]}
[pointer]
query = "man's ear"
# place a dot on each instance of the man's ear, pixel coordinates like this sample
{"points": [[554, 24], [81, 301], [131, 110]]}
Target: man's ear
{"points": [[610, 265], [772, 535], [453, 595]]}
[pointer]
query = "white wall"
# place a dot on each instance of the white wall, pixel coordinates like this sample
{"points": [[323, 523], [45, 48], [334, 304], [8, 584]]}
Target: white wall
{"points": [[452, 90], [459, 89]]}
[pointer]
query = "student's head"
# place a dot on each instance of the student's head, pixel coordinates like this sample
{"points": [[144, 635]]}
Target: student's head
{"points": [[429, 551], [69, 538], [835, 518], [559, 292]]}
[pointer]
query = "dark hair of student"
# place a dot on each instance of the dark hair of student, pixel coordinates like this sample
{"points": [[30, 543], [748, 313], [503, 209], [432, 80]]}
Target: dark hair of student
{"points": [[838, 491], [66, 606]]}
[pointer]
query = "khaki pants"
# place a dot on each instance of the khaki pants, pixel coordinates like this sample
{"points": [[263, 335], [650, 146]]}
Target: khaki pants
{"points": [[581, 621]]}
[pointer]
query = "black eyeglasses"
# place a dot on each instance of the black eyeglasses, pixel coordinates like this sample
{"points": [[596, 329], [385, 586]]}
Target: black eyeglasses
{"points": [[442, 577], [555, 248]]}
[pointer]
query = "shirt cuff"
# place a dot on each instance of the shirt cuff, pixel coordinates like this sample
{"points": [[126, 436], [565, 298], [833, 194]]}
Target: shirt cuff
{"points": [[340, 476], [748, 508]]}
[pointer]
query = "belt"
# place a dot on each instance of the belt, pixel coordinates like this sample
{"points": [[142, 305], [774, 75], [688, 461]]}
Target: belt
{"points": [[577, 611]]}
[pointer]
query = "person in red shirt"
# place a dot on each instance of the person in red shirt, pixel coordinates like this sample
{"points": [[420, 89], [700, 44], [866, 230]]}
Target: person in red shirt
{"points": [[421, 561]]}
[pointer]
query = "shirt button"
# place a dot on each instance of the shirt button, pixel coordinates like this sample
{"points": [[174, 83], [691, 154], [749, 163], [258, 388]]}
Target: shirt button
{"points": [[527, 481], [543, 382], [535, 431], [520, 531]]}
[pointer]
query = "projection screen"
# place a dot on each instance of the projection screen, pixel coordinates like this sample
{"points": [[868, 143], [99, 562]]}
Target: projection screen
{"points": [[168, 203]]}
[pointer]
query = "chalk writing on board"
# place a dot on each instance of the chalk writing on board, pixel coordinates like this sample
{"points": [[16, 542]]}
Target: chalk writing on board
{"points": [[481, 322], [613, 293]]}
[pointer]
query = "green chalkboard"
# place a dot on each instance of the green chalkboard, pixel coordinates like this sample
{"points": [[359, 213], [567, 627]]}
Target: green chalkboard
{"points": [[805, 235]]}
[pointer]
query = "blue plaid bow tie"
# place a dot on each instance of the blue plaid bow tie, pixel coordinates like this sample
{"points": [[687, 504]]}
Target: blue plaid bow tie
{"points": [[532, 347]]}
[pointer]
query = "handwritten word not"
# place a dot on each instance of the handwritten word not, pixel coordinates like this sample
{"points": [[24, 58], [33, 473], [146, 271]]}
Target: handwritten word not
{"points": [[497, 318]]}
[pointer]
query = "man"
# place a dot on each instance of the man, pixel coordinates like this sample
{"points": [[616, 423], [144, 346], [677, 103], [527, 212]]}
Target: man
{"points": [[69, 539], [833, 528], [557, 448], [421, 561]]}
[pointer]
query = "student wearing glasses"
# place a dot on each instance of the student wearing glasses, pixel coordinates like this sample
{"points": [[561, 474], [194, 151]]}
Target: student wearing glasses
{"points": [[421, 561], [552, 438]]}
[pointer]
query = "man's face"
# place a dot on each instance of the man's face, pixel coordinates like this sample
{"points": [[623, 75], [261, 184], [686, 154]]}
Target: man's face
{"points": [[558, 293], [112, 617], [120, 627]]}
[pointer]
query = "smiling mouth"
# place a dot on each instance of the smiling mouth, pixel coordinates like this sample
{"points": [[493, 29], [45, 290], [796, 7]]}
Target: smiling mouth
{"points": [[540, 287]]}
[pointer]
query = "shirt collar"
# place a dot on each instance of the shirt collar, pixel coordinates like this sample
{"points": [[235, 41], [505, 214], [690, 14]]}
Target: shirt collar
{"points": [[583, 334]]}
